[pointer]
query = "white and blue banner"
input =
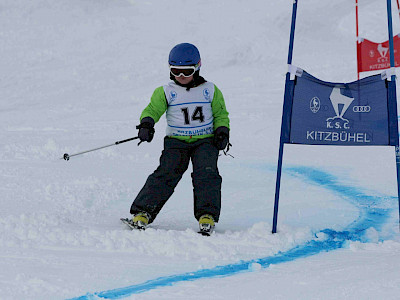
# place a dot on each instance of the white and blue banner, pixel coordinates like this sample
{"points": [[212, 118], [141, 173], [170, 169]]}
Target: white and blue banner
{"points": [[326, 113]]}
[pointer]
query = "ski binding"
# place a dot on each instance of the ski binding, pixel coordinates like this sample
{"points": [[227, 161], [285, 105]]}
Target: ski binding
{"points": [[131, 225], [206, 229]]}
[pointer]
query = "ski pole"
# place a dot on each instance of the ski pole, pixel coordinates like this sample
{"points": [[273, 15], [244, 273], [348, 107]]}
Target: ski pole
{"points": [[67, 156]]}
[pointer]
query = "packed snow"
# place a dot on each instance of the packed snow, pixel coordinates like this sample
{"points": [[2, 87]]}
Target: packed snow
{"points": [[75, 75]]}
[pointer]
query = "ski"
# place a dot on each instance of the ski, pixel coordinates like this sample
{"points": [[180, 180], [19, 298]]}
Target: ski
{"points": [[204, 233], [130, 224]]}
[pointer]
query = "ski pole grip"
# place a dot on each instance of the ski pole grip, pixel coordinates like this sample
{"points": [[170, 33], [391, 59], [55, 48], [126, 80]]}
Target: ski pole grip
{"points": [[127, 140]]}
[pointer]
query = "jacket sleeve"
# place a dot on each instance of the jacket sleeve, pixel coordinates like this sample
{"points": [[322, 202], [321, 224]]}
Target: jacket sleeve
{"points": [[220, 113], [157, 105]]}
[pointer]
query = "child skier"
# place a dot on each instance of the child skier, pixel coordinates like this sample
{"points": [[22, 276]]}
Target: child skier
{"points": [[198, 127]]}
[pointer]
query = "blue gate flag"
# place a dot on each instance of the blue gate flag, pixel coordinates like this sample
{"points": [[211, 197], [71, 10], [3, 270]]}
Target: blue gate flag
{"points": [[327, 113], [316, 112]]}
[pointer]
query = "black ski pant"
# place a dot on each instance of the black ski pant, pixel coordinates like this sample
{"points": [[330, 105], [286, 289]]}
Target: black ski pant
{"points": [[174, 161]]}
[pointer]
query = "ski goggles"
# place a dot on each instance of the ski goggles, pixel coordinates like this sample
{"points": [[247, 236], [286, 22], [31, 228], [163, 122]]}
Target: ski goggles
{"points": [[186, 71]]}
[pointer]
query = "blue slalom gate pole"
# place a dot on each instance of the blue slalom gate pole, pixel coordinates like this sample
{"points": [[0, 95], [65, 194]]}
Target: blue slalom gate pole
{"points": [[285, 127], [393, 99]]}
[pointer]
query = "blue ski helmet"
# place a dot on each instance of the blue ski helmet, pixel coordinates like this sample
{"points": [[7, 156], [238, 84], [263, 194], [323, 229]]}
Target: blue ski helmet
{"points": [[184, 54]]}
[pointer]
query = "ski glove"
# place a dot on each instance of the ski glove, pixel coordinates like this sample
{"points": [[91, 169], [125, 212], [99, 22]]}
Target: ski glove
{"points": [[146, 129], [221, 137]]}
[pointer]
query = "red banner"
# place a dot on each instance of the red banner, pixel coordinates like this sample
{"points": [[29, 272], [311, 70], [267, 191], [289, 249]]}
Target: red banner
{"points": [[375, 56]]}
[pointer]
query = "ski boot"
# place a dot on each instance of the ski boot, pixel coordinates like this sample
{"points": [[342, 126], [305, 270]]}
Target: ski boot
{"points": [[140, 220], [206, 225]]}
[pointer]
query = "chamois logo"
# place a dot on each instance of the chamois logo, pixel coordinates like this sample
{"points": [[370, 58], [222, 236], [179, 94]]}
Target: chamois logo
{"points": [[382, 50], [340, 105]]}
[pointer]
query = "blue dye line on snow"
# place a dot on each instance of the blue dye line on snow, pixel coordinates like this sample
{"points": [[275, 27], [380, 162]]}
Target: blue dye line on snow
{"points": [[371, 215], [373, 210]]}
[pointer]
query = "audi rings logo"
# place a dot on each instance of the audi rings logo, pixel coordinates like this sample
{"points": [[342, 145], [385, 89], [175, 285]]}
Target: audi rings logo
{"points": [[361, 108]]}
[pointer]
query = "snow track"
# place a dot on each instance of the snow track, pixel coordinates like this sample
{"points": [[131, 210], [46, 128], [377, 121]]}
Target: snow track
{"points": [[374, 212]]}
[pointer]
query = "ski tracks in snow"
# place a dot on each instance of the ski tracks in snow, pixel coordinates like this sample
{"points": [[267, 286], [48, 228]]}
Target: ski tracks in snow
{"points": [[374, 213]]}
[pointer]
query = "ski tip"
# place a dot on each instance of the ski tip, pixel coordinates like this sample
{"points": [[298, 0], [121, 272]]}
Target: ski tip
{"points": [[204, 233]]}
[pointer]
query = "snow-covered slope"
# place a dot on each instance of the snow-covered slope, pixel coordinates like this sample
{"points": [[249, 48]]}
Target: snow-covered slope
{"points": [[75, 75]]}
